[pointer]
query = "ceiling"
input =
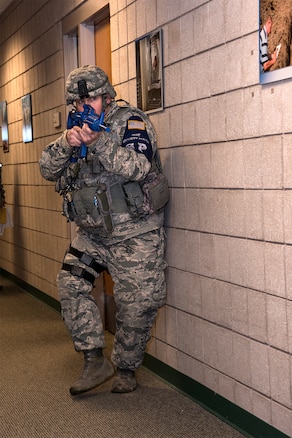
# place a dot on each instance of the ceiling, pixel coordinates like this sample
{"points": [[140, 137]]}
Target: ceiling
{"points": [[4, 4]]}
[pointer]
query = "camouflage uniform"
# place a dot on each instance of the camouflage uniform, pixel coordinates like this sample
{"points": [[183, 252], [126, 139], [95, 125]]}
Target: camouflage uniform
{"points": [[132, 251]]}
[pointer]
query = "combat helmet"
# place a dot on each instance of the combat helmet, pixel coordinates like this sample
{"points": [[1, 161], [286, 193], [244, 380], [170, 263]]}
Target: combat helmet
{"points": [[87, 81]]}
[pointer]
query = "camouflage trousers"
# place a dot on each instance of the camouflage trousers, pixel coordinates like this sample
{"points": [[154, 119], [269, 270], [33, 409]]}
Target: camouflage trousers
{"points": [[137, 268]]}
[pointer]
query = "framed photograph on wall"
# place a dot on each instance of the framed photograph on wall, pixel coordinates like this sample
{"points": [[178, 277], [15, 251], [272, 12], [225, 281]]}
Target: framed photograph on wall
{"points": [[26, 119], [275, 35], [149, 72], [4, 125]]}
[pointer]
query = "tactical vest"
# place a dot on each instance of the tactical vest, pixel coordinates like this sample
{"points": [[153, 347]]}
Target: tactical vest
{"points": [[107, 201]]}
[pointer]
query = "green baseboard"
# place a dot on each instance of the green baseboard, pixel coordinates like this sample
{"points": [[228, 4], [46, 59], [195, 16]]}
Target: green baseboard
{"points": [[52, 302], [238, 418]]}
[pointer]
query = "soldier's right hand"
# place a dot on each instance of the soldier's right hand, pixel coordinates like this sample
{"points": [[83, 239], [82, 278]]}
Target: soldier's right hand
{"points": [[73, 136]]}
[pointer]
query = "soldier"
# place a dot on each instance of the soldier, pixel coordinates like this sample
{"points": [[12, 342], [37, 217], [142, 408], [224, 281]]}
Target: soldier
{"points": [[108, 170]]}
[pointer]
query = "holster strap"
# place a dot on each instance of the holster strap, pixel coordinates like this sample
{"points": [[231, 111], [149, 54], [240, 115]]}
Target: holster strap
{"points": [[78, 272], [87, 260]]}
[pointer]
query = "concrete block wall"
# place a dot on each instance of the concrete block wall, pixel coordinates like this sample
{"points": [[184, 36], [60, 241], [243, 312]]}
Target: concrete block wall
{"points": [[226, 147], [225, 142]]}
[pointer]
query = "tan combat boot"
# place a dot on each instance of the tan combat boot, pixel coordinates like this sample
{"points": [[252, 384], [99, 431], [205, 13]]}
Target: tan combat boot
{"points": [[125, 381], [97, 369]]}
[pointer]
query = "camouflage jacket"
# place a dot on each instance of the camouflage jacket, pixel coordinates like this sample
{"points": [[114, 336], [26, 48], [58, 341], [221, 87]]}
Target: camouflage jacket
{"points": [[109, 167]]}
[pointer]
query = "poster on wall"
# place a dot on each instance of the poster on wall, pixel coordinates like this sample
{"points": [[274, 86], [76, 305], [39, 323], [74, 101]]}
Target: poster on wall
{"points": [[4, 126], [275, 34], [26, 119], [149, 72]]}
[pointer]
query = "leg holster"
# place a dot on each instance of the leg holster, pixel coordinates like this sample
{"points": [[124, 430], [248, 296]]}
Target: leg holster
{"points": [[86, 260]]}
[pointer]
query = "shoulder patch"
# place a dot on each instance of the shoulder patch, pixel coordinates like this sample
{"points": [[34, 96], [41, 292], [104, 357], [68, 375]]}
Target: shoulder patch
{"points": [[136, 137], [136, 124]]}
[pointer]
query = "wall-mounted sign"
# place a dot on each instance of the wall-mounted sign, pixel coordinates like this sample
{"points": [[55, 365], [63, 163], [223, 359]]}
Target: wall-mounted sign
{"points": [[26, 119], [275, 34], [149, 72], [4, 125]]}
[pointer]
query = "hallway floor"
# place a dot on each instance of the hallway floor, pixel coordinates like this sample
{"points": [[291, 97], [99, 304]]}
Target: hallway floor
{"points": [[38, 364]]}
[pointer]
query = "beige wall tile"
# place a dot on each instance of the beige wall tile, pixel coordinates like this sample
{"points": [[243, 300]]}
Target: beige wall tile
{"points": [[272, 170], [206, 210], [225, 352], [151, 16], [209, 300], [210, 344], [218, 165], [289, 320], [271, 98], [131, 22], [273, 215], [224, 300], [190, 367], [238, 261], [202, 29], [253, 208], [241, 359], [236, 212], [260, 368], [261, 407], [122, 27], [142, 12], [234, 119], [287, 157], [251, 111], [190, 345], [240, 309], [275, 269], [255, 265], [218, 72], [203, 121], [211, 379], [172, 82], [287, 219], [277, 323], [176, 127], [280, 382], [257, 315], [197, 166], [281, 418], [226, 387], [221, 258], [233, 72], [217, 118]]}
